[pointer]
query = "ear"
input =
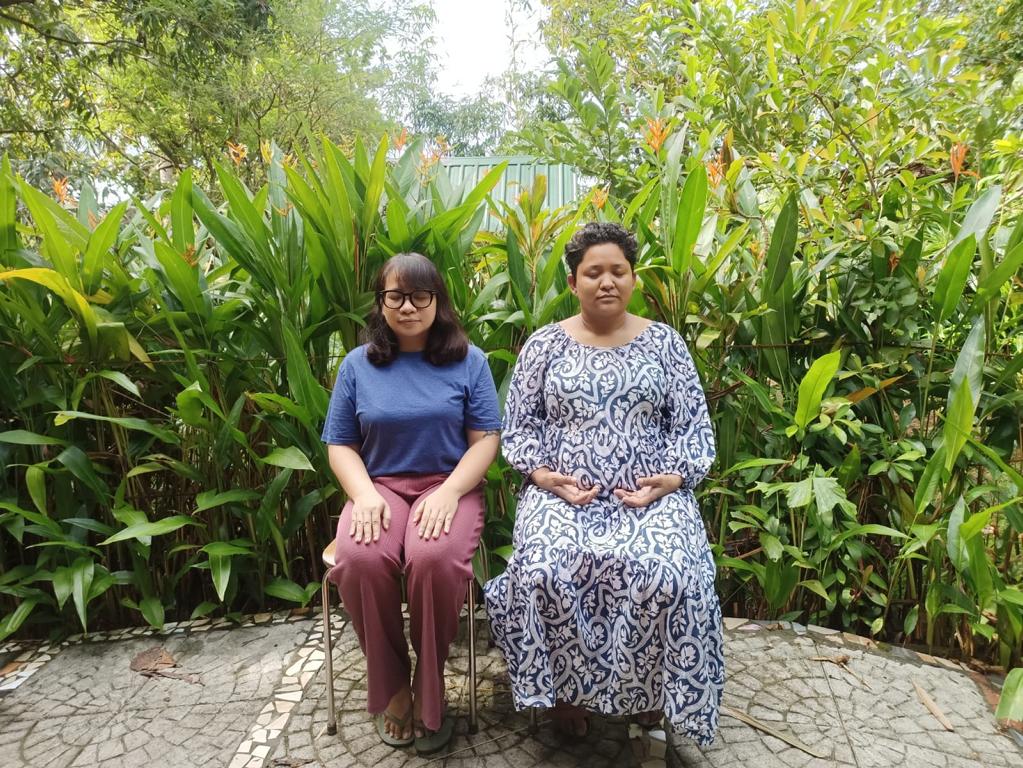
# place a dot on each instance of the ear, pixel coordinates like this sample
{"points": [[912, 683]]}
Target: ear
{"points": [[571, 282]]}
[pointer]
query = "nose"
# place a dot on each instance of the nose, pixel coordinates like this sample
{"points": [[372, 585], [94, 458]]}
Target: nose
{"points": [[407, 306]]}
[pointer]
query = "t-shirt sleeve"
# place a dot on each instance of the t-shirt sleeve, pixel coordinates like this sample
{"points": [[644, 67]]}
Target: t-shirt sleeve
{"points": [[481, 409], [342, 424]]}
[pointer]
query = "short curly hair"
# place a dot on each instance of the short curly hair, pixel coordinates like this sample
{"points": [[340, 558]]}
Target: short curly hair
{"points": [[597, 233]]}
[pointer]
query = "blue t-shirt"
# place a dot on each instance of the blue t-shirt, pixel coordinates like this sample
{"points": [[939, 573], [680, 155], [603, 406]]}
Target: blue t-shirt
{"points": [[410, 416]]}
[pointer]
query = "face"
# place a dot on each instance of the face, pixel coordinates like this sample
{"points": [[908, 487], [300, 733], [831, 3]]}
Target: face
{"points": [[410, 324], [604, 280]]}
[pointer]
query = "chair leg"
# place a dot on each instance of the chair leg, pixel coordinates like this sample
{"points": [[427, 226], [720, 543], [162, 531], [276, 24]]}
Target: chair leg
{"points": [[533, 727], [328, 659], [473, 713]]}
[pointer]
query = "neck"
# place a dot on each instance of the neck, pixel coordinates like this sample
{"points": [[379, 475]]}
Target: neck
{"points": [[603, 326], [411, 345]]}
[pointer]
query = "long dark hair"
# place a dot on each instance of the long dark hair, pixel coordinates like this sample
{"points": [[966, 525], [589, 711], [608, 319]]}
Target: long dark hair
{"points": [[446, 342]]}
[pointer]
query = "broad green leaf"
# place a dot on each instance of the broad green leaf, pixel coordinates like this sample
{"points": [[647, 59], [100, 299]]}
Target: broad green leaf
{"points": [[62, 236], [63, 584], [800, 494], [101, 241], [210, 499], [953, 542], [166, 435], [204, 608], [910, 622], [220, 568], [82, 571], [8, 210], [306, 390], [21, 437], [828, 494], [286, 589], [182, 278], [817, 588], [958, 422], [1010, 703], [181, 214], [782, 247], [13, 621], [970, 361], [930, 480], [290, 458], [35, 479], [225, 549], [1011, 595], [952, 278], [979, 520], [814, 385], [989, 286], [59, 285], [978, 217], [155, 528], [772, 546], [152, 611], [751, 463], [79, 464], [689, 220]]}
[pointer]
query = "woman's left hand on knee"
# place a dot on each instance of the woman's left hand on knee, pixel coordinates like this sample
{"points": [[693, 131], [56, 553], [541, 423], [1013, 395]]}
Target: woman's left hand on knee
{"points": [[434, 514], [650, 490]]}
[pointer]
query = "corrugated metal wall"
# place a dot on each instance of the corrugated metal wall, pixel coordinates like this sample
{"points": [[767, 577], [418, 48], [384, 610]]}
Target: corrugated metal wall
{"points": [[562, 184]]}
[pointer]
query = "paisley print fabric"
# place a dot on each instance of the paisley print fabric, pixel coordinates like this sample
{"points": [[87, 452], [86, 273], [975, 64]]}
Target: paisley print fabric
{"points": [[605, 606]]}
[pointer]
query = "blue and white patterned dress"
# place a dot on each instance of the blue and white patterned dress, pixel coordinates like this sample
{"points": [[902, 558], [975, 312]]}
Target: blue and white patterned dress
{"points": [[605, 606]]}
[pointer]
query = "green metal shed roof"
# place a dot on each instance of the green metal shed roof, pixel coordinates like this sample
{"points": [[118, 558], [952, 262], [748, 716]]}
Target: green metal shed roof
{"points": [[562, 180]]}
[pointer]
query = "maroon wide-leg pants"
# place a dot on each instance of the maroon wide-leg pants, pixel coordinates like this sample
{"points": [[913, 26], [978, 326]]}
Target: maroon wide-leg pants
{"points": [[437, 571]]}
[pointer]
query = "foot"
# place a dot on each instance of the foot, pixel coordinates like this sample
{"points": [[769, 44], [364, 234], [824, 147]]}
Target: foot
{"points": [[419, 727], [397, 716], [650, 719], [570, 720]]}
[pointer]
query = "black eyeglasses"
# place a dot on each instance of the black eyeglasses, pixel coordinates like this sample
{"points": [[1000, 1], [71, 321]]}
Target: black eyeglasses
{"points": [[420, 299]]}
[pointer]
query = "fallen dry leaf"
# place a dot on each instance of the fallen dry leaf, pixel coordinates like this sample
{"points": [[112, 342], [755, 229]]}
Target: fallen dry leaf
{"points": [[156, 662], [842, 660], [932, 706], [760, 726]]}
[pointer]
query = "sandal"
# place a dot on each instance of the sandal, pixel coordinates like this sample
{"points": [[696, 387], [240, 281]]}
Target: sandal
{"points": [[401, 724], [571, 722], [432, 742], [649, 721]]}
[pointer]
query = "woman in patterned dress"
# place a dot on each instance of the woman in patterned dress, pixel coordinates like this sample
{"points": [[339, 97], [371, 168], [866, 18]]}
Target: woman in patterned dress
{"points": [[608, 602]]}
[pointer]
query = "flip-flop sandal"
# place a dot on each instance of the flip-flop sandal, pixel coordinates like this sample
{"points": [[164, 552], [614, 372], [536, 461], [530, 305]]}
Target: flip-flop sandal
{"points": [[400, 723], [561, 725], [435, 741], [651, 725]]}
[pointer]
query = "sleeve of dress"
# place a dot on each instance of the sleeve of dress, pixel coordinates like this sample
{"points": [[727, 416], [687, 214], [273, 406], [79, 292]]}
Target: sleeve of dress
{"points": [[690, 436], [522, 436]]}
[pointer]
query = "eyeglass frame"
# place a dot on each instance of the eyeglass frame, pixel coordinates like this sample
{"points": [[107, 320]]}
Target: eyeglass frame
{"points": [[406, 296]]}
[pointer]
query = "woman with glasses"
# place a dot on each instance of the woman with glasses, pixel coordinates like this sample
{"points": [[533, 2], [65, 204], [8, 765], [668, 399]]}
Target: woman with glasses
{"points": [[412, 426]]}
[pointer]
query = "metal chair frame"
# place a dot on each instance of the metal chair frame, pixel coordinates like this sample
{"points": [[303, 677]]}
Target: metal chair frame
{"points": [[328, 643]]}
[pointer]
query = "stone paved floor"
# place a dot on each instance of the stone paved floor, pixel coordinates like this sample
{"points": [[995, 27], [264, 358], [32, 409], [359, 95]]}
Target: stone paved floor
{"points": [[260, 701]]}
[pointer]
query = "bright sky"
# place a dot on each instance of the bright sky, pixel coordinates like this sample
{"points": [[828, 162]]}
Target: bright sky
{"points": [[472, 43]]}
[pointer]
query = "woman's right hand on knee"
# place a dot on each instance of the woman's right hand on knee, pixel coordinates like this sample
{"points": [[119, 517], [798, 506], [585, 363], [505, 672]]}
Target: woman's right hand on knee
{"points": [[370, 514]]}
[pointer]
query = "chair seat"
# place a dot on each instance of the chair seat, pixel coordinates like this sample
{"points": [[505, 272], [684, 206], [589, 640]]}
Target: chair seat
{"points": [[328, 553]]}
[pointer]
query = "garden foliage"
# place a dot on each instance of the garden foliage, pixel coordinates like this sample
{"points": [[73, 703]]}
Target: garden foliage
{"points": [[850, 286]]}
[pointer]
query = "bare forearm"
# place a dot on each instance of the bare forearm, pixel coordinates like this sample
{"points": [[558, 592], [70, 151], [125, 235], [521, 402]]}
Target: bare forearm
{"points": [[474, 464], [348, 467]]}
